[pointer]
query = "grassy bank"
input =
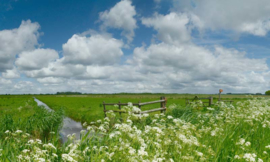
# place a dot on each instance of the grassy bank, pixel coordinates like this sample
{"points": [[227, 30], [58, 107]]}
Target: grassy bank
{"points": [[21, 117]]}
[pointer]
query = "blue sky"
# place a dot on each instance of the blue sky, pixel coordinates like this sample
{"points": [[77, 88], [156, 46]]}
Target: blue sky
{"points": [[63, 18], [101, 46]]}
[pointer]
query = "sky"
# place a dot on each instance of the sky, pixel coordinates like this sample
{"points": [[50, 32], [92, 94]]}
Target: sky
{"points": [[156, 46]]}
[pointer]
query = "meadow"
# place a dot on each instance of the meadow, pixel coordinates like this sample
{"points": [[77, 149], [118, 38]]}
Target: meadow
{"points": [[89, 107], [222, 132]]}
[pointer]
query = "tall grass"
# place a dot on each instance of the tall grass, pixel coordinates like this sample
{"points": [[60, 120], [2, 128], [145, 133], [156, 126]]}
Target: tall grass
{"points": [[19, 124]]}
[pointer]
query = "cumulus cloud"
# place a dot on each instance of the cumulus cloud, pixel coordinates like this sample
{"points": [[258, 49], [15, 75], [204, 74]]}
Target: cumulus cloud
{"points": [[176, 64], [14, 41], [51, 80], [4, 81], [121, 16], [183, 66], [6, 85], [11, 74], [57, 69], [94, 50], [248, 16], [259, 28], [36, 59], [84, 57], [172, 28], [94, 63], [191, 63]]}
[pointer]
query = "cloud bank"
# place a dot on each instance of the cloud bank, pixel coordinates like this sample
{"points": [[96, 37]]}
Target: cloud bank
{"points": [[172, 63]]}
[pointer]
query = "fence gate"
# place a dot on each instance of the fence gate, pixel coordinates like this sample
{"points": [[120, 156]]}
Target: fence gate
{"points": [[162, 107]]}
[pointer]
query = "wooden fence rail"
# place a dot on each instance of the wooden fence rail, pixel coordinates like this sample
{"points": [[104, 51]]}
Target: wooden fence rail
{"points": [[162, 108], [208, 103]]}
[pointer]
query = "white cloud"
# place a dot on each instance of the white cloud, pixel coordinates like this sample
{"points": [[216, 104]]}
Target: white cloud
{"points": [[97, 72], [172, 28], [94, 50], [175, 64], [121, 16], [248, 16], [51, 80], [259, 28], [24, 84], [11, 74], [57, 69], [14, 41], [5, 86], [91, 63], [36, 59], [84, 57], [4, 81]]}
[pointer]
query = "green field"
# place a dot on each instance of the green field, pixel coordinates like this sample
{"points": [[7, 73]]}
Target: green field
{"points": [[237, 132], [89, 107]]}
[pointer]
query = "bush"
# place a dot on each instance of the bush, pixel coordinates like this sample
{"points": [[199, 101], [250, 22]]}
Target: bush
{"points": [[267, 92]]}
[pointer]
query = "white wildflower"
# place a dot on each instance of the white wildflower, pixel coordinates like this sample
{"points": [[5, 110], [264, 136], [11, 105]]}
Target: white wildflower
{"points": [[250, 157], [199, 153], [18, 131], [130, 104], [131, 151], [247, 143], [99, 121], [260, 160], [142, 152], [209, 108], [213, 133], [241, 141], [83, 131], [25, 151], [237, 157]]}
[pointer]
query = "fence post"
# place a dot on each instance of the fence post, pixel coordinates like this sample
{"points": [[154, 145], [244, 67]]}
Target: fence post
{"points": [[165, 102], [139, 106], [210, 100], [119, 105], [104, 109], [162, 104]]}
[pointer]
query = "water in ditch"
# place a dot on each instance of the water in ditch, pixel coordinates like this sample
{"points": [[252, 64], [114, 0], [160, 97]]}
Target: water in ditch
{"points": [[70, 126]]}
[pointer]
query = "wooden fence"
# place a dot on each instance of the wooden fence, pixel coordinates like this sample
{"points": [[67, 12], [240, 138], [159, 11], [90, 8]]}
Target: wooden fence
{"points": [[162, 108], [206, 103]]}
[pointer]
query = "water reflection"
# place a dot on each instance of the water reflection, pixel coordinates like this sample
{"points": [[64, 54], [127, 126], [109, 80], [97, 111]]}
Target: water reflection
{"points": [[70, 126]]}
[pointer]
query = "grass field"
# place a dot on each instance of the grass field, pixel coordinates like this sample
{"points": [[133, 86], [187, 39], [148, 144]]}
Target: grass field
{"points": [[238, 132], [220, 133], [89, 107]]}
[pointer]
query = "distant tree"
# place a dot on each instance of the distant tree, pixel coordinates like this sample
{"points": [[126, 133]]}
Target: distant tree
{"points": [[68, 93], [267, 92]]}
